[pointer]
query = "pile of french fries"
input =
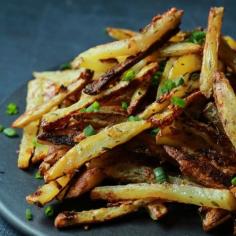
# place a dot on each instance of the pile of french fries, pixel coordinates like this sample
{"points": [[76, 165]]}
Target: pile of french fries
{"points": [[148, 99]]}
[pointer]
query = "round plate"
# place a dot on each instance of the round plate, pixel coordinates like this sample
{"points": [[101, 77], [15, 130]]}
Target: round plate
{"points": [[15, 184]]}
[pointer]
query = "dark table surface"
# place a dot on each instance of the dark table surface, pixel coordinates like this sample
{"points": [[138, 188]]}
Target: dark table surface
{"points": [[39, 35]]}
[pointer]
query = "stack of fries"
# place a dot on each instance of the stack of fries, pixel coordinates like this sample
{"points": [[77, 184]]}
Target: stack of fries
{"points": [[149, 101]]}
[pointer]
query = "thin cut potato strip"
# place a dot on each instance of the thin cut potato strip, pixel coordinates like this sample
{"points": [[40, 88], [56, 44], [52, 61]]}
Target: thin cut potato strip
{"points": [[49, 191], [225, 100], [138, 43], [39, 111], [210, 52], [94, 146], [201, 196], [100, 215], [34, 98]]}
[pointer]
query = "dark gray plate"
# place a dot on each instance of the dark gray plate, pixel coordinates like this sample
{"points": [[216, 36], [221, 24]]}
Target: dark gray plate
{"points": [[15, 184]]}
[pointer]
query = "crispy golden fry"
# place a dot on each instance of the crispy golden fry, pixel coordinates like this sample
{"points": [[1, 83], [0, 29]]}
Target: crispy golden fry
{"points": [[172, 112], [61, 115], [227, 55], [156, 210], [212, 217], [210, 52], [209, 197], [37, 113], [48, 192], [40, 152], [85, 182], [225, 100], [138, 43], [119, 34], [179, 49], [34, 98], [95, 145], [67, 219]]}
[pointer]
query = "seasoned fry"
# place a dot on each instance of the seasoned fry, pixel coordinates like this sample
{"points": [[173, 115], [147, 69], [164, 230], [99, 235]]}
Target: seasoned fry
{"points": [[95, 216], [227, 55], [209, 197], [38, 112], [138, 43], [48, 192], [225, 100], [119, 34], [34, 98], [94, 146], [210, 52]]}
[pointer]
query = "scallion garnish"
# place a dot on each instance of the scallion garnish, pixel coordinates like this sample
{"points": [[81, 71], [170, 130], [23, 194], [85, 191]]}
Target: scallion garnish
{"points": [[10, 132], [133, 118], [160, 175], [49, 211], [178, 102], [128, 75], [28, 214], [89, 131], [11, 109], [124, 105]]}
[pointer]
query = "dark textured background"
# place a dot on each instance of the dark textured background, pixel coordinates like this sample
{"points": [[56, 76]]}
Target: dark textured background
{"points": [[39, 35]]}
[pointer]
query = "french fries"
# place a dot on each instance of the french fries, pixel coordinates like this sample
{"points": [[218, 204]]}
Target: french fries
{"points": [[215, 198], [39, 111], [127, 112], [34, 98], [225, 100], [210, 52], [96, 216], [96, 145]]}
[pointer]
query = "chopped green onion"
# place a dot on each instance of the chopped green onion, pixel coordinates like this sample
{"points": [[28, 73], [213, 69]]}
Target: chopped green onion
{"points": [[89, 131], [178, 102], [167, 86], [133, 118], [12, 109], [233, 181], [10, 132], [128, 75], [179, 82], [38, 175], [1, 128], [124, 105], [49, 211], [65, 66], [197, 37], [154, 132], [28, 214], [93, 107], [160, 175]]}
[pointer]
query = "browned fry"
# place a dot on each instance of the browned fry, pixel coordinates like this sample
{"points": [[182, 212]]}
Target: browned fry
{"points": [[227, 55], [198, 167], [72, 218], [172, 112], [159, 23], [210, 52], [225, 100], [39, 111], [212, 217], [85, 182]]}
